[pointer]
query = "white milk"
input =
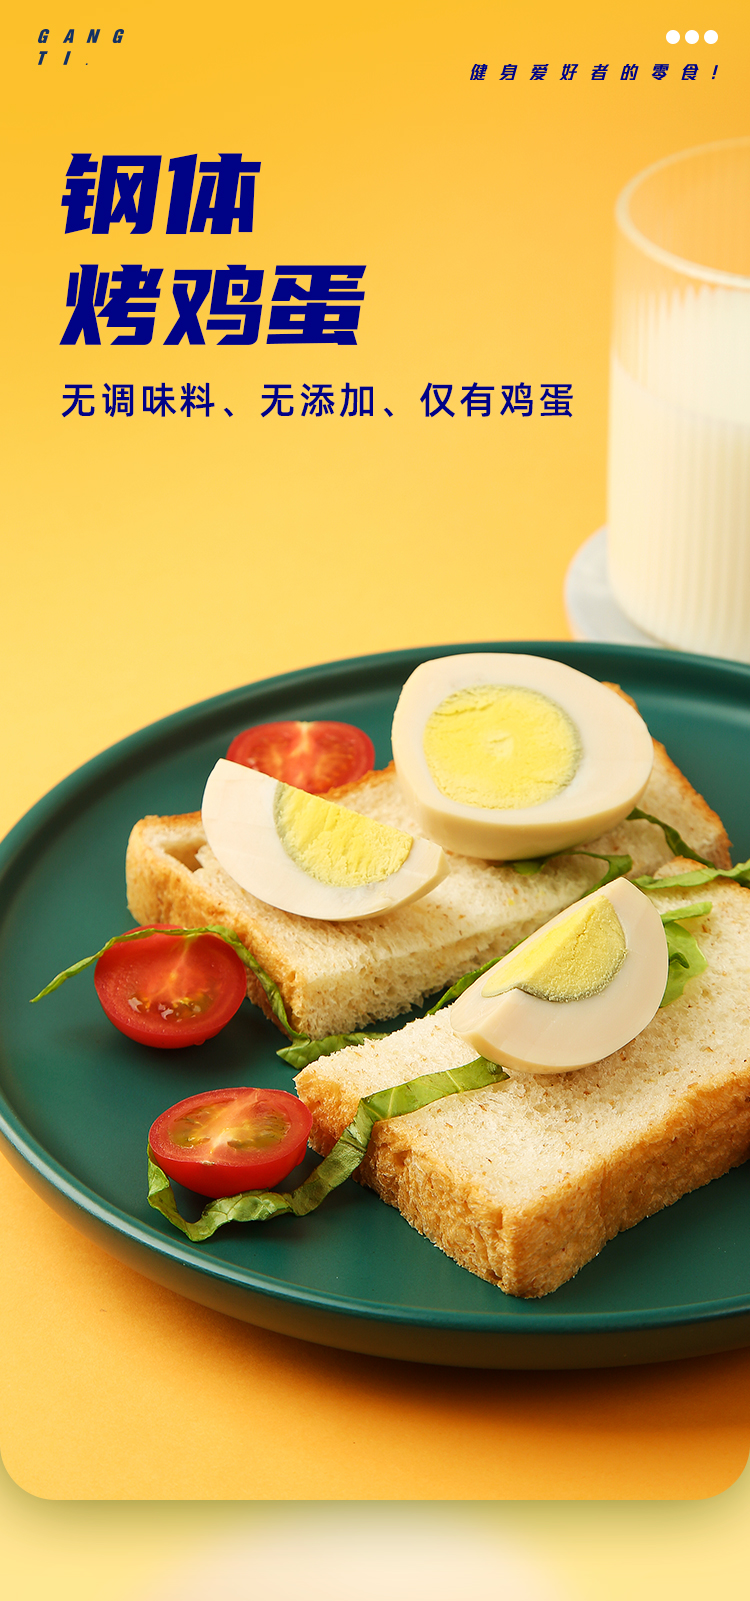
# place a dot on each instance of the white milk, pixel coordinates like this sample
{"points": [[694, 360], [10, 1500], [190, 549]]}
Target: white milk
{"points": [[679, 470]]}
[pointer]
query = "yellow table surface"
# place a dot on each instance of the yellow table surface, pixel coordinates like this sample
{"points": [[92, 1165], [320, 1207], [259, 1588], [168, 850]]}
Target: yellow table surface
{"points": [[153, 564], [116, 1388]]}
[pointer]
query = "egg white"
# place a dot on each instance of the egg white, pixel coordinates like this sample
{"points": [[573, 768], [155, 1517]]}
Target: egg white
{"points": [[527, 1035], [616, 759], [238, 818]]}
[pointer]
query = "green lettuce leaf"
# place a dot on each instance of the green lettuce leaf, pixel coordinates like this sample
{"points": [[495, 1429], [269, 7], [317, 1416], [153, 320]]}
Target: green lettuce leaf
{"points": [[676, 843], [257, 1206], [267, 984], [696, 877], [686, 959], [302, 1054], [304, 1049], [298, 1055], [531, 865], [699, 909], [680, 914], [617, 866]]}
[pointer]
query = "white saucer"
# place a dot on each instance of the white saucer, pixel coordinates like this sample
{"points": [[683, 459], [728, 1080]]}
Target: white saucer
{"points": [[593, 612]]}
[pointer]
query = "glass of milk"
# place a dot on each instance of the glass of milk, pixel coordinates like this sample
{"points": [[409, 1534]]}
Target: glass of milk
{"points": [[679, 447]]}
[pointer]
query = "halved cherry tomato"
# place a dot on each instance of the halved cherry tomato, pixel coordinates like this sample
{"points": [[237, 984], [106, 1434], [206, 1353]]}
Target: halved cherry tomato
{"points": [[311, 756], [227, 1141], [170, 990]]}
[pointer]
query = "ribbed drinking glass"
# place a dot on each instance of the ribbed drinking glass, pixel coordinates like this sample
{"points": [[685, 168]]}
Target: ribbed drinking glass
{"points": [[679, 452]]}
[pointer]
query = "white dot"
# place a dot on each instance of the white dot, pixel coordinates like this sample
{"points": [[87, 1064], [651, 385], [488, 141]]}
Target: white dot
{"points": [[691, 37], [673, 36], [246, 1564], [711, 37]]}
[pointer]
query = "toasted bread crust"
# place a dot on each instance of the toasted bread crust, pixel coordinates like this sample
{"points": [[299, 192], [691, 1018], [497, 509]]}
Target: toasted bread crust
{"points": [[163, 887], [713, 829], [715, 836], [529, 1253], [335, 977], [525, 1182]]}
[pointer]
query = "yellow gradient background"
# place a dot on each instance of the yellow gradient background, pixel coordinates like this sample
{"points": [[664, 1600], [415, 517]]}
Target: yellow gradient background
{"points": [[150, 563]]}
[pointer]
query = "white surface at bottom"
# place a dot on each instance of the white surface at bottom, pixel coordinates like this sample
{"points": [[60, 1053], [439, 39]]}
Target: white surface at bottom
{"points": [[592, 611]]}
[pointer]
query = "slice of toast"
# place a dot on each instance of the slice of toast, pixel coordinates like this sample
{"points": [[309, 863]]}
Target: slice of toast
{"points": [[524, 1182], [338, 977]]}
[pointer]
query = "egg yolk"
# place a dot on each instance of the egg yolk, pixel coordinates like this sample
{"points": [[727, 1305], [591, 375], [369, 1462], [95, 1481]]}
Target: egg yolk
{"points": [[336, 846], [577, 958], [501, 746]]}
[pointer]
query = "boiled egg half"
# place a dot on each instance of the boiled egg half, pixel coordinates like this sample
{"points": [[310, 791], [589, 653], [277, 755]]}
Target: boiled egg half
{"points": [[304, 854], [506, 757], [573, 992]]}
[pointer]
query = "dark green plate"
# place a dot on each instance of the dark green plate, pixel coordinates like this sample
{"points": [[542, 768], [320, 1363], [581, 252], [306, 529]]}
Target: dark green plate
{"points": [[77, 1099]]}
